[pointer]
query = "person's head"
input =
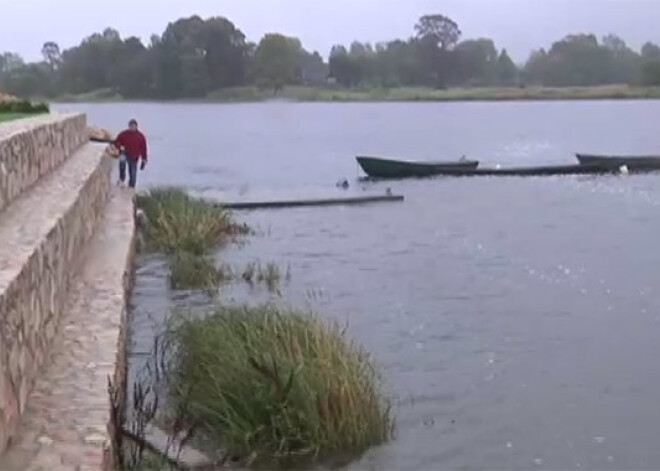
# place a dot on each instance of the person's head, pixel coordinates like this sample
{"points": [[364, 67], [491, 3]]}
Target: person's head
{"points": [[132, 125]]}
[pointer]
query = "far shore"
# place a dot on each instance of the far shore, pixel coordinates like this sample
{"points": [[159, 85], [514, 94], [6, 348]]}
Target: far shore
{"points": [[302, 94]]}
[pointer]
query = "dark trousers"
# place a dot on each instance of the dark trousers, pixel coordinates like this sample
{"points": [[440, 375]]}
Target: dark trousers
{"points": [[132, 171]]}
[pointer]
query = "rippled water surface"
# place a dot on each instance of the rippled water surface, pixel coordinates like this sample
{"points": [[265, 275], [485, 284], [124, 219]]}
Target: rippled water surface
{"points": [[516, 319]]}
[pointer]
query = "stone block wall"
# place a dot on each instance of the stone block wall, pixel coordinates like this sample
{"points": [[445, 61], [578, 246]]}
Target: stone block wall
{"points": [[31, 306], [31, 148]]}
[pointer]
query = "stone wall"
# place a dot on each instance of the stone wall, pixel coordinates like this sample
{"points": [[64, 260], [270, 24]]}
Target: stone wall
{"points": [[117, 393], [31, 148], [32, 304]]}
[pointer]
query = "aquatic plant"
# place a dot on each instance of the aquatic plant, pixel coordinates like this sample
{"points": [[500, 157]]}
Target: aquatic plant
{"points": [[187, 229], [249, 272], [192, 271], [178, 222], [268, 385], [271, 275]]}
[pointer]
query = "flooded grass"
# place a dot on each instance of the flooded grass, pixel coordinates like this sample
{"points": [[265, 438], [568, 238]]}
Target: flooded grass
{"points": [[249, 272], [253, 385], [269, 385], [177, 222], [271, 275], [187, 229], [191, 271]]}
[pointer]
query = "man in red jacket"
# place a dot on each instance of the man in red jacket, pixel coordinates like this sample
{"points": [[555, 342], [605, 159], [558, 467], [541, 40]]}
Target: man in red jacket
{"points": [[132, 146]]}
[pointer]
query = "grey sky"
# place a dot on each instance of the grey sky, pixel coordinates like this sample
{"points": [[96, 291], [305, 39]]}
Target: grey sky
{"points": [[518, 25]]}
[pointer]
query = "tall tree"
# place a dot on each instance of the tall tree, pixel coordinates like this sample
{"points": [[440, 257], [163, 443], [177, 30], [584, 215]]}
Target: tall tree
{"points": [[341, 67], [477, 61], [507, 72], [436, 36], [278, 61], [313, 69], [440, 29], [10, 61], [650, 64], [51, 54], [651, 51]]}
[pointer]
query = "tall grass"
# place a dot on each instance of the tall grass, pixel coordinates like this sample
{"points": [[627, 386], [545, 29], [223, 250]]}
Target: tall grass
{"points": [[187, 229], [190, 271], [270, 275], [270, 385], [178, 222]]}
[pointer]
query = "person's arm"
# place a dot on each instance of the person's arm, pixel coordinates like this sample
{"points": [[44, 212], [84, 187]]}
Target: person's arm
{"points": [[119, 140], [144, 148], [143, 151]]}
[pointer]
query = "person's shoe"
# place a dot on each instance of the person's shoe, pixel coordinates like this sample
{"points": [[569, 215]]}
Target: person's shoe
{"points": [[121, 184]]}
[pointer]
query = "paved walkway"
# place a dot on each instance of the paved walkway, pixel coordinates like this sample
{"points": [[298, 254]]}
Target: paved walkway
{"points": [[65, 425]]}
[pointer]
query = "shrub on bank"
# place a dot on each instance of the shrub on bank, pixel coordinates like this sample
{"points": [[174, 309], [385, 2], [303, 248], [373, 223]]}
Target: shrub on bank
{"points": [[23, 107], [271, 385]]}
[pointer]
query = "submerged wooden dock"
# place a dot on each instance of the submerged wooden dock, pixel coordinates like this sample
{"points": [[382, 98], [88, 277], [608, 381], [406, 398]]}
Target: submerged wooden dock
{"points": [[350, 201]]}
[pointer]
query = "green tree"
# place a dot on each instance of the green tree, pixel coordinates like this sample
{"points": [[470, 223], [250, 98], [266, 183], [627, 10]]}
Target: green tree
{"points": [[195, 56], [278, 61], [651, 73], [651, 64], [51, 54], [436, 36], [477, 61], [440, 29], [28, 80], [342, 67], [10, 61], [507, 72], [651, 52], [314, 70], [625, 64], [576, 60]]}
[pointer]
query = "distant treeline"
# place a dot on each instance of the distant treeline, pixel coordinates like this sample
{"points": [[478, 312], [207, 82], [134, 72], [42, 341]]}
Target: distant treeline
{"points": [[195, 57]]}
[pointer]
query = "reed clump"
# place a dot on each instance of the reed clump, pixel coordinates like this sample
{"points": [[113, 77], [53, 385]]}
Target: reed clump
{"points": [[187, 229], [273, 385]]}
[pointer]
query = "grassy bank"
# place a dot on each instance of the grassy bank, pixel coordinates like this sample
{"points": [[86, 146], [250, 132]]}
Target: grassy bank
{"points": [[12, 116], [270, 385], [308, 94], [17, 109], [325, 94]]}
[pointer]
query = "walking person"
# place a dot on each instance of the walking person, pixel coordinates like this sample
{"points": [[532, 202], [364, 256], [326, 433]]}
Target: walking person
{"points": [[132, 145]]}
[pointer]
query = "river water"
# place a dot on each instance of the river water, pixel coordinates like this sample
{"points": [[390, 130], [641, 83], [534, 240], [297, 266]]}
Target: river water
{"points": [[516, 320]]}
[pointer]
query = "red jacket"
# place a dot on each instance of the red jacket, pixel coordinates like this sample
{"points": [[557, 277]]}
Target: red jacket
{"points": [[134, 143]]}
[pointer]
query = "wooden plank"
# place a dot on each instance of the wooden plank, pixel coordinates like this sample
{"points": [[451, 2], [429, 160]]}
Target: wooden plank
{"points": [[312, 202]]}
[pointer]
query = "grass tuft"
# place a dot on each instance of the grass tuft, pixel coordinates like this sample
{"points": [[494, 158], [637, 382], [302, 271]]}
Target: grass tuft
{"points": [[187, 229], [249, 272], [271, 275], [191, 271], [178, 222], [269, 385]]}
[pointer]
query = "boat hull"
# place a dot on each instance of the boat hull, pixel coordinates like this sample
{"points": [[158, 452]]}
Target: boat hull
{"points": [[632, 162], [376, 167]]}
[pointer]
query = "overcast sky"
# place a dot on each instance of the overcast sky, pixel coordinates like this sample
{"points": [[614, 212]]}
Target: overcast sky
{"points": [[518, 25]]}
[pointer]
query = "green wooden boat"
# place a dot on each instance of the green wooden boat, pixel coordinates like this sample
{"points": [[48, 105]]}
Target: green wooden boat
{"points": [[634, 163], [376, 167]]}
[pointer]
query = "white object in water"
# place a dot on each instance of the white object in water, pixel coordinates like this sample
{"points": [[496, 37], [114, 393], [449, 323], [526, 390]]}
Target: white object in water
{"points": [[498, 166], [624, 170]]}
